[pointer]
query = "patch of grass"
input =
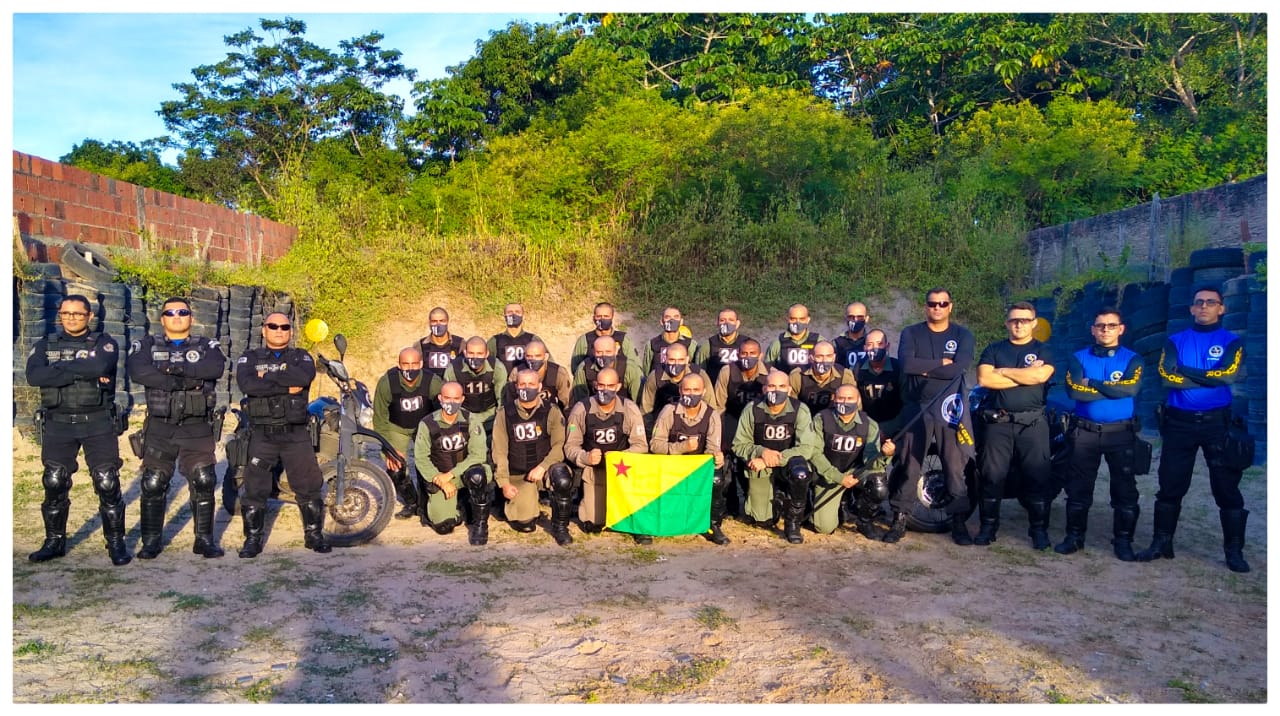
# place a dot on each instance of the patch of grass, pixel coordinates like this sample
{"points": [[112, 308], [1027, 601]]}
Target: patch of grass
{"points": [[257, 593], [913, 547], [1191, 693], [92, 580], [486, 571], [355, 598], [352, 646], [39, 611], [38, 647], [1053, 696], [186, 602], [261, 635], [914, 570], [713, 617], [1019, 556], [679, 677], [642, 555], [819, 652], [196, 684], [860, 625], [581, 621], [125, 670], [260, 691]]}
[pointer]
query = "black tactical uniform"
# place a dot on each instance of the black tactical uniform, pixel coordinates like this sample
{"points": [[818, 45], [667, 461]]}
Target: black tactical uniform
{"points": [[278, 424], [78, 411], [179, 376]]}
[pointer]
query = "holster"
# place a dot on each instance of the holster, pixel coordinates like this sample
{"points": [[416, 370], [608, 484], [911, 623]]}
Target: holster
{"points": [[137, 443], [216, 420], [1239, 447], [120, 419], [1161, 418], [39, 421], [1141, 456]]}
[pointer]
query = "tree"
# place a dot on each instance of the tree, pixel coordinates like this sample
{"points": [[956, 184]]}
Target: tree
{"points": [[262, 109], [135, 163]]}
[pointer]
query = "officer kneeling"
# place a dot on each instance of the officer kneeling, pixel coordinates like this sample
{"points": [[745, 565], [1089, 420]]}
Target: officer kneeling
{"points": [[852, 458], [450, 451]]}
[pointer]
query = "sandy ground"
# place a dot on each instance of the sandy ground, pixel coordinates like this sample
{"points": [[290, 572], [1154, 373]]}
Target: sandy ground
{"points": [[415, 617]]}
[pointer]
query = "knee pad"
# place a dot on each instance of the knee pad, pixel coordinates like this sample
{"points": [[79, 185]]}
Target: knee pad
{"points": [[203, 478], [561, 480], [720, 478], [154, 480], [106, 481], [57, 478], [475, 478], [798, 469]]}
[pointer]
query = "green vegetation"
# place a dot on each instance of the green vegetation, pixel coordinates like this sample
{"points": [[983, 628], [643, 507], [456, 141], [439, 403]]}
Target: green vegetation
{"points": [[680, 677], [261, 691], [38, 647], [486, 571], [713, 617], [186, 601], [1191, 693]]}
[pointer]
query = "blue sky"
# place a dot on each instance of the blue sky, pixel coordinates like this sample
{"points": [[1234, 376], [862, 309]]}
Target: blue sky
{"points": [[103, 76]]}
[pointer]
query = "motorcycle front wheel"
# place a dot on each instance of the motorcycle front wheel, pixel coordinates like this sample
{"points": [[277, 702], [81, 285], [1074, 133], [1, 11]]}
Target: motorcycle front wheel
{"points": [[368, 500]]}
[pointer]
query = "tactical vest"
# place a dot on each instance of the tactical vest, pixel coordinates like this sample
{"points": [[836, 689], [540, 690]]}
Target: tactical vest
{"points": [[281, 409], [477, 390], [775, 432], [720, 354], [881, 398], [681, 431], [509, 349], [173, 406], [591, 336], [659, 348], [437, 358], [590, 370], [742, 392], [84, 394], [793, 354], [668, 392], [528, 441], [818, 397], [408, 407], [844, 447], [449, 443], [850, 352], [605, 433]]}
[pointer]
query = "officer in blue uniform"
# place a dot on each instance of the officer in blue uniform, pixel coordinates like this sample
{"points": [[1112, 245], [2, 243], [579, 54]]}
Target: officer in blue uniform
{"points": [[1198, 366], [1103, 380]]}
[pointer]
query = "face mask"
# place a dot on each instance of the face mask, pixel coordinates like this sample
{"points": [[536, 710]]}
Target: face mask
{"points": [[796, 327], [450, 407], [439, 330], [474, 364], [527, 395], [747, 363], [728, 329], [411, 375], [604, 324], [822, 367], [535, 364], [604, 397], [690, 401], [846, 409], [603, 362], [673, 369], [514, 321], [671, 325], [775, 397], [856, 326], [878, 354]]}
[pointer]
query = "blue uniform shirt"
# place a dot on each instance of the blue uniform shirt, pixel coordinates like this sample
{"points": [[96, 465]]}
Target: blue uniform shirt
{"points": [[1113, 375], [1198, 366]]}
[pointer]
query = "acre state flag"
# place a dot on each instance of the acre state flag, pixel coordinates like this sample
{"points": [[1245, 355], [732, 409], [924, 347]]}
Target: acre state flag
{"points": [[659, 495]]}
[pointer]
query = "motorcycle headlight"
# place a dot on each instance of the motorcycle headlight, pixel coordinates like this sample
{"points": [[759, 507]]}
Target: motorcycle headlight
{"points": [[366, 417]]}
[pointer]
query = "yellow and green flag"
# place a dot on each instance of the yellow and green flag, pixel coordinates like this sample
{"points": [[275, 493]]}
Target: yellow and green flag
{"points": [[659, 495]]}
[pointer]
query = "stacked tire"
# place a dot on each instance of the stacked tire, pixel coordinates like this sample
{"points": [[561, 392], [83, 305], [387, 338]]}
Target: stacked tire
{"points": [[244, 317], [1145, 310], [35, 314], [1255, 356]]}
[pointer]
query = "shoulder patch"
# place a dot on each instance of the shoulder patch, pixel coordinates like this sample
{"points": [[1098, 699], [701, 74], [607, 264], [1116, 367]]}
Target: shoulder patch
{"points": [[135, 346], [214, 344], [243, 359], [109, 347], [306, 356]]}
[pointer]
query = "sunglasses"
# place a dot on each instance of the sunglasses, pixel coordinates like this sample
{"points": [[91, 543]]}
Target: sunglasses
{"points": [[279, 326], [937, 304], [1106, 326], [1210, 302], [184, 312]]}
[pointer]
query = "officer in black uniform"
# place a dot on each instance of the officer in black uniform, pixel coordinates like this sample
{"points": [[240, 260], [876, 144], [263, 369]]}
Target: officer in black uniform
{"points": [[879, 380], [75, 370], [439, 347], [179, 371], [1103, 380], [275, 379], [851, 345], [508, 346], [1014, 429], [1198, 366], [722, 348]]}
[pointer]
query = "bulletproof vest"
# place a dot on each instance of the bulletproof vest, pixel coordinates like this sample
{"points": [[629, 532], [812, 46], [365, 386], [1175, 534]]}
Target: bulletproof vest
{"points": [[776, 432], [437, 358], [84, 394], [591, 370], [794, 354], [591, 336], [881, 397], [510, 350], [660, 347], [720, 354], [681, 431], [605, 433], [284, 408], [408, 407], [817, 396], [843, 445], [742, 392], [849, 353], [668, 392], [478, 394], [449, 442], [176, 405], [528, 441], [548, 392]]}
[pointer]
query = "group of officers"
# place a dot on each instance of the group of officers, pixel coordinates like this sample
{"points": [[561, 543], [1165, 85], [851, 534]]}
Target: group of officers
{"points": [[802, 429]]}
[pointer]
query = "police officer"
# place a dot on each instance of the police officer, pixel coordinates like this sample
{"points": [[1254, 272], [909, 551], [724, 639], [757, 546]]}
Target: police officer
{"points": [[879, 379], [933, 354], [403, 397], [557, 384], [451, 451], [791, 349], [75, 370], [605, 354], [1103, 380], [721, 348], [1198, 366], [509, 345], [528, 451], [815, 385], [482, 379], [1015, 432], [605, 421], [662, 386], [439, 347], [603, 318], [851, 345], [775, 438], [739, 385], [655, 351], [692, 427], [179, 371], [851, 453], [275, 379]]}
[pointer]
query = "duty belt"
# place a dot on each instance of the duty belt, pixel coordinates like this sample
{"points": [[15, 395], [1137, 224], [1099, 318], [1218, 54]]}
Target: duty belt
{"points": [[1214, 415], [281, 429], [1024, 417], [76, 418], [1115, 427]]}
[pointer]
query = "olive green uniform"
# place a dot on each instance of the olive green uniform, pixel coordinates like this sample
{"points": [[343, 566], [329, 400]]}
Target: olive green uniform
{"points": [[584, 379], [548, 440], [475, 391], [818, 393], [582, 349], [843, 444], [590, 427], [433, 454], [798, 438]]}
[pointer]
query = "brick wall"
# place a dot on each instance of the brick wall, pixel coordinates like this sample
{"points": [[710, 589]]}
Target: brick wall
{"points": [[53, 203]]}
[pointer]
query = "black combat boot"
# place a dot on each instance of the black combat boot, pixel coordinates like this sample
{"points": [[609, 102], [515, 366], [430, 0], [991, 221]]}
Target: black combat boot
{"points": [[1038, 524], [1124, 522], [642, 539], [55, 531], [719, 502], [404, 491], [424, 488], [151, 517], [201, 483], [561, 509], [230, 491], [478, 529], [254, 520], [1166, 522], [1233, 522], [113, 531], [897, 528], [791, 520], [988, 521], [313, 526], [960, 531], [445, 527], [523, 526], [1077, 524]]}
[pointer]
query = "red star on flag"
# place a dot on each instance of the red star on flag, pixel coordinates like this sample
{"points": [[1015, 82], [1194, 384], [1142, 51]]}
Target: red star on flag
{"points": [[622, 468]]}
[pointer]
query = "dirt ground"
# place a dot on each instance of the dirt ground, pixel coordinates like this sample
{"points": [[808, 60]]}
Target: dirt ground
{"points": [[419, 618]]}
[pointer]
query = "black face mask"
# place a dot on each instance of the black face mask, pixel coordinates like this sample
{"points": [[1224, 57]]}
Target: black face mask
{"points": [[474, 364], [775, 397], [514, 321], [450, 407], [604, 397], [527, 395], [845, 409], [747, 363], [439, 330], [604, 324], [671, 325], [603, 362], [856, 326], [796, 327], [822, 367], [674, 369], [878, 354], [411, 376], [535, 364], [728, 329], [690, 401]]}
